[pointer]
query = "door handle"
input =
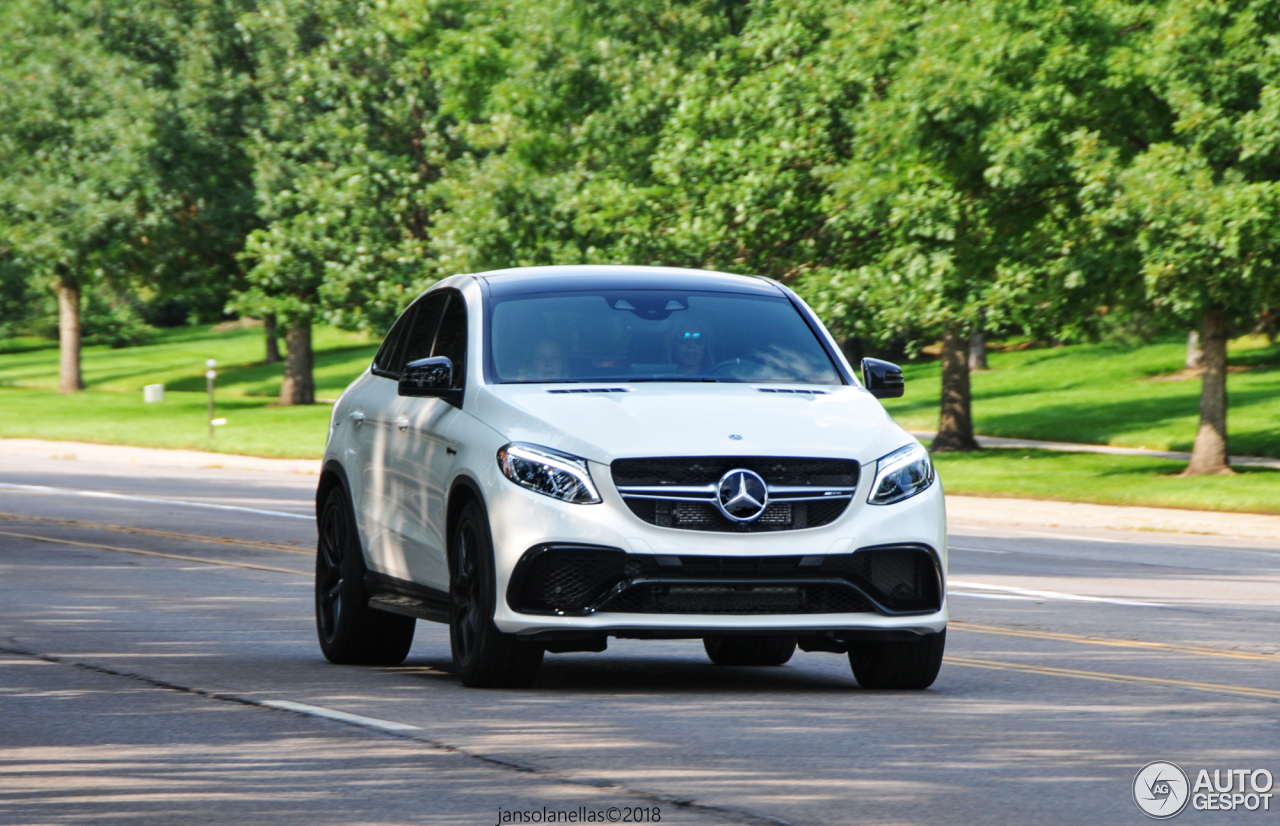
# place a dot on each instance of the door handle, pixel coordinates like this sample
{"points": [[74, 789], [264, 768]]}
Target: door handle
{"points": [[402, 423], [357, 418]]}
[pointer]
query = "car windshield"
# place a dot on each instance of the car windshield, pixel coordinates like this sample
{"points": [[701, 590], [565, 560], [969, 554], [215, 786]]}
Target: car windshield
{"points": [[654, 335]]}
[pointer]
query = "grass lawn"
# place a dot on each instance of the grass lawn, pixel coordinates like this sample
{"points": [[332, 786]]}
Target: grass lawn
{"points": [[253, 428], [1097, 393], [1106, 480], [111, 411], [1107, 394]]}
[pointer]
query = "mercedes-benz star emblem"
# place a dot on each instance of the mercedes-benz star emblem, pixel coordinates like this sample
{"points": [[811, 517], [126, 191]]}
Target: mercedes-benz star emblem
{"points": [[742, 495]]}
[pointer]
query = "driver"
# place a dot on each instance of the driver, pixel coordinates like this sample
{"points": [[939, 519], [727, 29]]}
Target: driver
{"points": [[691, 349]]}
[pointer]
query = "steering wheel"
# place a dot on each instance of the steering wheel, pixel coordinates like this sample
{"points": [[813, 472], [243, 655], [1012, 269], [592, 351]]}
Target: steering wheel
{"points": [[743, 365]]}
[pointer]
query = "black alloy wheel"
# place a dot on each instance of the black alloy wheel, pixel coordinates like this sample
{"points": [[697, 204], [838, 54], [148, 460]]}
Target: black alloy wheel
{"points": [[749, 650], [485, 657], [900, 664], [350, 632]]}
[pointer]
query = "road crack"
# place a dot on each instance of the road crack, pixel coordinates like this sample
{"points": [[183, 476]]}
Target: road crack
{"points": [[721, 813]]}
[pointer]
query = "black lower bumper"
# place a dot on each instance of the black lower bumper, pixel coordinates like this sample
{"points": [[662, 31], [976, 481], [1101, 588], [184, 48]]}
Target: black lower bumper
{"points": [[577, 580]]}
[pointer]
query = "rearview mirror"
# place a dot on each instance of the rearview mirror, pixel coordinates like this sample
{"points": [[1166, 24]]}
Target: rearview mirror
{"points": [[882, 379], [431, 377]]}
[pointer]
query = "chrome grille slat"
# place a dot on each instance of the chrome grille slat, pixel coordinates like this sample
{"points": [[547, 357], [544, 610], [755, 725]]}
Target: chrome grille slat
{"points": [[659, 491]]}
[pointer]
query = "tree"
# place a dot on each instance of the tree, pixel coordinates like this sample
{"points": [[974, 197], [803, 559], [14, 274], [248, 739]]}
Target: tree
{"points": [[348, 148], [1206, 200], [77, 186], [963, 184]]}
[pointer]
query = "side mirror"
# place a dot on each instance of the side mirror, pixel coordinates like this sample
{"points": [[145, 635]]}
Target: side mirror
{"points": [[431, 377], [882, 379]]}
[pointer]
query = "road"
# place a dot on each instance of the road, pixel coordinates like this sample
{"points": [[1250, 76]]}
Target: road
{"points": [[145, 633]]}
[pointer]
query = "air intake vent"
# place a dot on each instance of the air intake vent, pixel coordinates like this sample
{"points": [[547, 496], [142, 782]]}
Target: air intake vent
{"points": [[591, 390], [577, 580], [793, 391]]}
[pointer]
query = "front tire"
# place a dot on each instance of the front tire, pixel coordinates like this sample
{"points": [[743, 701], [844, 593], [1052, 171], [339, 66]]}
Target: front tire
{"points": [[350, 632], [749, 650], [485, 657], [900, 664]]}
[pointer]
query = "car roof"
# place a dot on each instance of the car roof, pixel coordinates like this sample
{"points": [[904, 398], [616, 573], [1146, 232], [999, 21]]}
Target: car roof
{"points": [[590, 277]]}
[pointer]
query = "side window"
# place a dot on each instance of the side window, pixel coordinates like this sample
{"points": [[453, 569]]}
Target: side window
{"points": [[387, 362], [423, 332], [451, 340]]}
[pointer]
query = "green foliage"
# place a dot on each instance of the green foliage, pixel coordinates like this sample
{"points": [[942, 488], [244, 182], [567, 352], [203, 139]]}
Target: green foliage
{"points": [[1204, 200], [348, 147], [1100, 168], [76, 185]]}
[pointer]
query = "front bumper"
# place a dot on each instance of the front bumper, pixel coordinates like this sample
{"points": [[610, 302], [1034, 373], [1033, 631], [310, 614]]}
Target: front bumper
{"points": [[658, 581]]}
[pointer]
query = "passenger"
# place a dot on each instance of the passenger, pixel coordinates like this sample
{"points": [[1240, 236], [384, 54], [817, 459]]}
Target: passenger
{"points": [[548, 361]]}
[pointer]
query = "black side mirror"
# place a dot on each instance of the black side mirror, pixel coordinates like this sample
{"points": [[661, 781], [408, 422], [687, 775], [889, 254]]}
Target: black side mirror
{"points": [[882, 379], [431, 377]]}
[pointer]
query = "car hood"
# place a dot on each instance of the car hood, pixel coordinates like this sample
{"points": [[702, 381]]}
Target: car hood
{"points": [[702, 419]]}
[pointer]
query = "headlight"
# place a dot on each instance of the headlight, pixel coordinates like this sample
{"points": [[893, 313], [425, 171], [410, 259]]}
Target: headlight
{"points": [[548, 472], [901, 475]]}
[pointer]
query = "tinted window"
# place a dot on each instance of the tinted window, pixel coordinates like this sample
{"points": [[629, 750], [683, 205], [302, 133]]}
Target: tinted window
{"points": [[387, 362], [654, 335], [451, 338], [422, 335]]}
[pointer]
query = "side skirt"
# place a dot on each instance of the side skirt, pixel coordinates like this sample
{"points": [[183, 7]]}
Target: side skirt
{"points": [[399, 596]]}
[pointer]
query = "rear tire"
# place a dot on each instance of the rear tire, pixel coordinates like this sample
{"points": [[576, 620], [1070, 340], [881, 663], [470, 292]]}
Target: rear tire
{"points": [[900, 664], [749, 650], [350, 632], [485, 657]]}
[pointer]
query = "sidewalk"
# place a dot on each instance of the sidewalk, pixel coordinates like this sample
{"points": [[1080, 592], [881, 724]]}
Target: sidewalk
{"points": [[1074, 447], [971, 509]]}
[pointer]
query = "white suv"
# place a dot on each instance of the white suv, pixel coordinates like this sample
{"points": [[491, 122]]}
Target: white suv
{"points": [[544, 458]]}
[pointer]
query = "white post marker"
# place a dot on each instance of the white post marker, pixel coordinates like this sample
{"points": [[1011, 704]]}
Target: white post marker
{"points": [[210, 375], [153, 393]]}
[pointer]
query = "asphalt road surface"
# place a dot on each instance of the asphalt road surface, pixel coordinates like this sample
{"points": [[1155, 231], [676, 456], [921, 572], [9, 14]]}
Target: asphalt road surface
{"points": [[158, 664]]}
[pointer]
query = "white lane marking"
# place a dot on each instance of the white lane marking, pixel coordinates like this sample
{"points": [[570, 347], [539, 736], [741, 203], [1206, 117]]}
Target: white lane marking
{"points": [[1079, 538], [320, 711], [96, 494], [1028, 592], [994, 596]]}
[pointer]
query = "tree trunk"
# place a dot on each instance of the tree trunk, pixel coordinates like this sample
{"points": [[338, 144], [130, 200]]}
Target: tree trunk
{"points": [[1195, 356], [955, 428], [299, 384], [1209, 455], [978, 351], [273, 344], [69, 378]]}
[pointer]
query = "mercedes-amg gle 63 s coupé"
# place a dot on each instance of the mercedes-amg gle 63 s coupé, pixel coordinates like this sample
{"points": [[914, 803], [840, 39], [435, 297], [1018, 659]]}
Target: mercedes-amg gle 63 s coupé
{"points": [[545, 458]]}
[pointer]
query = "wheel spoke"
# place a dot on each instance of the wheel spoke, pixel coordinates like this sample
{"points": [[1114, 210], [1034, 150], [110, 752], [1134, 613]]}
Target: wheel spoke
{"points": [[332, 537]]}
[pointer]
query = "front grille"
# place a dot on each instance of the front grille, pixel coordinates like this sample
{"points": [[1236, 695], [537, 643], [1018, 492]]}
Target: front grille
{"points": [[680, 492], [703, 470], [579, 579]]}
